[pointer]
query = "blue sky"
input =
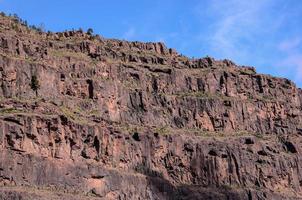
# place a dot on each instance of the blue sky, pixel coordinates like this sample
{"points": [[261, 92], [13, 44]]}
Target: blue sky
{"points": [[266, 34]]}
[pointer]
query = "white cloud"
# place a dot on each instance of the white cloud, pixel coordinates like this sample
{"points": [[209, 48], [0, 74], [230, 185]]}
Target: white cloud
{"points": [[293, 62], [299, 73], [250, 32], [160, 39], [298, 66], [236, 24], [129, 34], [290, 44]]}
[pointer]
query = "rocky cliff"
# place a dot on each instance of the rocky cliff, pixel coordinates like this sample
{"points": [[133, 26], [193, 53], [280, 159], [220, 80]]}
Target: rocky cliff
{"points": [[83, 117]]}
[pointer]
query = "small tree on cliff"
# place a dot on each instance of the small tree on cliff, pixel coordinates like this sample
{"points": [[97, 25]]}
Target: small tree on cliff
{"points": [[90, 31], [34, 84]]}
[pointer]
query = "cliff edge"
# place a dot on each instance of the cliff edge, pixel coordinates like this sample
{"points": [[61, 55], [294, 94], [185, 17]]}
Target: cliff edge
{"points": [[83, 117]]}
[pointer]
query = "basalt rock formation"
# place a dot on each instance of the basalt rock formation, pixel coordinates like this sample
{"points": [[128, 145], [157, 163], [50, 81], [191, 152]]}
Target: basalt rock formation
{"points": [[83, 117]]}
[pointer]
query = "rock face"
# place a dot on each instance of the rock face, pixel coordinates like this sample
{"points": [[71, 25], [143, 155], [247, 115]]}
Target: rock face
{"points": [[111, 119]]}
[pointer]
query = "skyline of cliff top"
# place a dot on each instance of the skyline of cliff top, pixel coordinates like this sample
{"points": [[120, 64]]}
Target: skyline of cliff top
{"points": [[265, 34]]}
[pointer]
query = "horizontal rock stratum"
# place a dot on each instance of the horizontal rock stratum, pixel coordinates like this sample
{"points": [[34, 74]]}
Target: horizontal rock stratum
{"points": [[83, 117]]}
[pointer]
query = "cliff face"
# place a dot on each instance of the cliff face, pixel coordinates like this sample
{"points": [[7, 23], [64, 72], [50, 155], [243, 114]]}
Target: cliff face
{"points": [[127, 120]]}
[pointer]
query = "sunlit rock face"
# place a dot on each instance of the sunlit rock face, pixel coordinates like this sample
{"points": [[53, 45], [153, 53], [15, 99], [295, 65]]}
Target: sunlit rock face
{"points": [[83, 117]]}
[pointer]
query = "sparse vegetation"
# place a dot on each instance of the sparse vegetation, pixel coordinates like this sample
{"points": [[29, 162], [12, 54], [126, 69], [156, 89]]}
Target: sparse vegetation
{"points": [[35, 85], [145, 169], [94, 112], [74, 115], [64, 53], [202, 95], [247, 72], [17, 21], [164, 130], [90, 31], [40, 28], [9, 110]]}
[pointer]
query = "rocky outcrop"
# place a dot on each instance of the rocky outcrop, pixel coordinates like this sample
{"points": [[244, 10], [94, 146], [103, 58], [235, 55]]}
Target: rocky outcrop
{"points": [[113, 119]]}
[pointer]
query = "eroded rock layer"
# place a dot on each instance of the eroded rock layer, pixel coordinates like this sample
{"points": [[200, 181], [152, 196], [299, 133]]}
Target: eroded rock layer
{"points": [[83, 117]]}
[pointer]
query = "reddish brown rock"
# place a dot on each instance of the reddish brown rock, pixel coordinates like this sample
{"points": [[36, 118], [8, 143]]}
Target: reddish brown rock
{"points": [[129, 120]]}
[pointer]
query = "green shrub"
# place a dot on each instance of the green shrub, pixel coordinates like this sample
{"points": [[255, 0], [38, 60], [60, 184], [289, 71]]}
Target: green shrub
{"points": [[90, 31], [35, 85]]}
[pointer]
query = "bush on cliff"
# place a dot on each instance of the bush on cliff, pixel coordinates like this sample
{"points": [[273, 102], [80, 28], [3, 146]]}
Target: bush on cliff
{"points": [[35, 85]]}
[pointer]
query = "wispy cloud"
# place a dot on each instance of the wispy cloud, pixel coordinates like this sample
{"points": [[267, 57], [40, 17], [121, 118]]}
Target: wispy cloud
{"points": [[292, 57], [293, 63], [236, 24], [129, 34], [299, 73], [263, 33], [290, 44]]}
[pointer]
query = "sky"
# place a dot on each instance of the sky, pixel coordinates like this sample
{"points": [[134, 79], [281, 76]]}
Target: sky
{"points": [[266, 34]]}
